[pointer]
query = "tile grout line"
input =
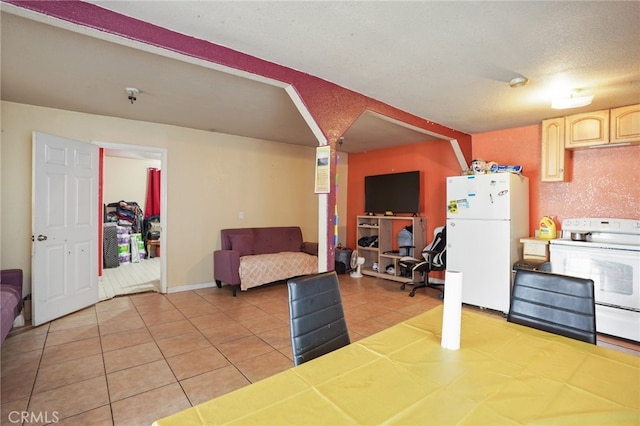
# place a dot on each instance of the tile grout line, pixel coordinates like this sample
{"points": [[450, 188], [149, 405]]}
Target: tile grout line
{"points": [[35, 379], [104, 366], [210, 342]]}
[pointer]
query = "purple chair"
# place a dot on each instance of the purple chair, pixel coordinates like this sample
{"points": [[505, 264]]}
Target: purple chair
{"points": [[10, 297]]}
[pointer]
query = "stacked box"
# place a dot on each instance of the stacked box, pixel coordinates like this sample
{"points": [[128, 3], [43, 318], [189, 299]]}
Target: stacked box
{"points": [[124, 254]]}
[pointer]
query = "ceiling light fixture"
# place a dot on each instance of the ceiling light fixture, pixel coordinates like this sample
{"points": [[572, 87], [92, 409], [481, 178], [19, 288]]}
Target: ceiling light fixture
{"points": [[574, 100], [132, 92], [518, 82]]}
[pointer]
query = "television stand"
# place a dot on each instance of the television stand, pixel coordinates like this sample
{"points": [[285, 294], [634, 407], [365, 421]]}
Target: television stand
{"points": [[387, 253]]}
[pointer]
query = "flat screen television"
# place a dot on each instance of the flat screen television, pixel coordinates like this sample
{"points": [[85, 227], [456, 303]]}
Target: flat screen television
{"points": [[392, 193]]}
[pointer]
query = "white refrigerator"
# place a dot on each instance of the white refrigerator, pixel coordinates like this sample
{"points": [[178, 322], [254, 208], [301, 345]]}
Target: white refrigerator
{"points": [[486, 217]]}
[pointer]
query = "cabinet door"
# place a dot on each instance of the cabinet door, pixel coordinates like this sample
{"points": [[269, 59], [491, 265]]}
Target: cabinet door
{"points": [[590, 128], [625, 124], [553, 154]]}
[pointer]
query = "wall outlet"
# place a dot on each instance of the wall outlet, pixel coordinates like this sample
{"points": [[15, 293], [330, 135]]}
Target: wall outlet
{"points": [[240, 215]]}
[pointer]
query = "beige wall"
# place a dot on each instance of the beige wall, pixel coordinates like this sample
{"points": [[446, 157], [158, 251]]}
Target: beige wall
{"points": [[211, 178], [126, 179]]}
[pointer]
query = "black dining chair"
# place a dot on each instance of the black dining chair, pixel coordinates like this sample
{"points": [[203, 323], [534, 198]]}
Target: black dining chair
{"points": [[316, 316], [555, 303]]}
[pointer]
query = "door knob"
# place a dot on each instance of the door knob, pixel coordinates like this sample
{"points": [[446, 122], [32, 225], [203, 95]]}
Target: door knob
{"points": [[42, 237]]}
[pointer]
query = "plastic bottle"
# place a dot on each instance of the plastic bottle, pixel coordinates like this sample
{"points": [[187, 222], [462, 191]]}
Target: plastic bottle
{"points": [[547, 228]]}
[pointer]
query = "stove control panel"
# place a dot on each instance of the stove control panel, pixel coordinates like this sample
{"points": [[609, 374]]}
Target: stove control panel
{"points": [[608, 225]]}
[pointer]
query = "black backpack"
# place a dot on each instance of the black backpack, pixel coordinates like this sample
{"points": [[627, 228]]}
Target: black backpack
{"points": [[371, 241]]}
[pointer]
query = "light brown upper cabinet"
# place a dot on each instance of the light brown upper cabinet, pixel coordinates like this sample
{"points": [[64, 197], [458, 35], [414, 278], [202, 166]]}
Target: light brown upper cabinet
{"points": [[598, 128], [553, 164], [587, 129], [625, 124]]}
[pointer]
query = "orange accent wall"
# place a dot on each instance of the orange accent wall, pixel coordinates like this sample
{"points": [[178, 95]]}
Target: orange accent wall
{"points": [[434, 159], [605, 182]]}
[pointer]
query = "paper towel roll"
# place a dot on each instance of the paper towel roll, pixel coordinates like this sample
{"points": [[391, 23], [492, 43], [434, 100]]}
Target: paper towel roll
{"points": [[452, 310]]}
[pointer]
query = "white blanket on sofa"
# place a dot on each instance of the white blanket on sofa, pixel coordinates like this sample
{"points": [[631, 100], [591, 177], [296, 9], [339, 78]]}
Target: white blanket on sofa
{"points": [[259, 269]]}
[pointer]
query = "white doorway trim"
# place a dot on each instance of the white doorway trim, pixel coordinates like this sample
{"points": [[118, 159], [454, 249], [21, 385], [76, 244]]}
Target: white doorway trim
{"points": [[323, 199], [150, 152]]}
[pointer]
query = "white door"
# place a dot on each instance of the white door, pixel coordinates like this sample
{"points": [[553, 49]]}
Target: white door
{"points": [[481, 251], [65, 227]]}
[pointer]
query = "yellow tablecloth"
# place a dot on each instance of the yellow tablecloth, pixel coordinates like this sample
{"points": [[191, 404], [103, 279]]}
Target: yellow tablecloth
{"points": [[503, 373]]}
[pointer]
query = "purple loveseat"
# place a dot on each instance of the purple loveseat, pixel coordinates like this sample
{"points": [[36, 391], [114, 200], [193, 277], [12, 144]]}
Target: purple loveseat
{"points": [[276, 253], [10, 298]]}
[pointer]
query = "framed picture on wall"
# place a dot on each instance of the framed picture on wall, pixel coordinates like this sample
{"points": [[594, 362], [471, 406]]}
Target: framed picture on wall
{"points": [[323, 171]]}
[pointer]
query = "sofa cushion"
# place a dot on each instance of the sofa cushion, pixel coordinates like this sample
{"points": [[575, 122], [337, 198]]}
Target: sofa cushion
{"points": [[242, 243], [277, 239], [266, 240], [267, 268]]}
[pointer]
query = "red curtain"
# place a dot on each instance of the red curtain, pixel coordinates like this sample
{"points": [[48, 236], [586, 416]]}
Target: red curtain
{"points": [[152, 206]]}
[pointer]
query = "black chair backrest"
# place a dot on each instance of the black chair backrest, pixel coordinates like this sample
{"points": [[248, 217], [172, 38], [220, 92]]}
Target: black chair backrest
{"points": [[316, 316], [555, 303]]}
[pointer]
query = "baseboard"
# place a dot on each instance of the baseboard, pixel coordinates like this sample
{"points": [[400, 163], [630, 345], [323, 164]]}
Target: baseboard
{"points": [[190, 287]]}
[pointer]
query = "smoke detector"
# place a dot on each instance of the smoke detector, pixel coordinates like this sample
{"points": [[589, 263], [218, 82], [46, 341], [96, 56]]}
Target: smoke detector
{"points": [[132, 93]]}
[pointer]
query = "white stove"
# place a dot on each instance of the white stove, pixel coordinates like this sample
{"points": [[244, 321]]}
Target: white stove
{"points": [[610, 256]]}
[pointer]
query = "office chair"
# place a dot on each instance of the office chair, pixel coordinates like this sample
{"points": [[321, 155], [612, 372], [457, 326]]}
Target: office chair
{"points": [[555, 303], [316, 316], [434, 259]]}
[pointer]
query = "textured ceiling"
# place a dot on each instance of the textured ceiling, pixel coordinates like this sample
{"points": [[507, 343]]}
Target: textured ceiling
{"points": [[448, 62]]}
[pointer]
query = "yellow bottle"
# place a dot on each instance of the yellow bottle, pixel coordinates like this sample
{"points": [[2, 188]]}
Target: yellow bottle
{"points": [[547, 228]]}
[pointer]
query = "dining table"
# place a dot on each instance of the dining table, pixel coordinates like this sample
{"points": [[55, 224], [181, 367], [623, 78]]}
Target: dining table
{"points": [[502, 373]]}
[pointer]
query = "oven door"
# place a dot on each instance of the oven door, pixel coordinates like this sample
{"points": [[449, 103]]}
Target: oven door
{"points": [[615, 273], [617, 284]]}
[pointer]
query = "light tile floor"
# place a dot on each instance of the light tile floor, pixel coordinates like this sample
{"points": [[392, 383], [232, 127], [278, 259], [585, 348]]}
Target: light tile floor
{"points": [[133, 359], [130, 278]]}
